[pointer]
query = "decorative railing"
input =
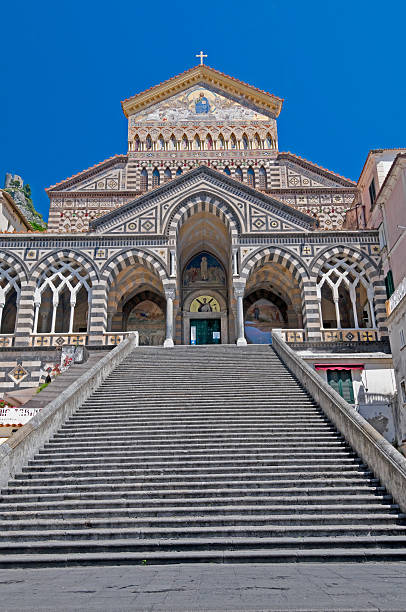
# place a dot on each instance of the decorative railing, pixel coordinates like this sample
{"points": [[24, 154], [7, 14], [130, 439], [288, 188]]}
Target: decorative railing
{"points": [[6, 340], [396, 297], [13, 417], [349, 335], [375, 398], [59, 340], [292, 335]]}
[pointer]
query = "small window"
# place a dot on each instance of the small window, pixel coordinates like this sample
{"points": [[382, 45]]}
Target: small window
{"points": [[403, 391], [390, 287], [341, 381], [402, 338], [372, 192], [382, 237]]}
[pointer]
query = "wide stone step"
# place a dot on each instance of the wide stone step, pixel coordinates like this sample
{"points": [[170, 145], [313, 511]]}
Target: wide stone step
{"points": [[42, 517], [29, 540], [129, 494], [225, 449]]}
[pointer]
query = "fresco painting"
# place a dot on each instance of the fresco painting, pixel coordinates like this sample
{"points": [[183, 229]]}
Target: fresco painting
{"points": [[149, 320], [260, 318], [202, 269]]}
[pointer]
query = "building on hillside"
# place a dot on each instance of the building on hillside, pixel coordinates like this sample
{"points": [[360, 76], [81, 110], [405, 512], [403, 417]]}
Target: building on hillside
{"points": [[11, 217], [203, 231]]}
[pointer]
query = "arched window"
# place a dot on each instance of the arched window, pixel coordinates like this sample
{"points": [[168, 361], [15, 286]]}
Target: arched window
{"points": [[62, 298], [167, 175], [209, 142], [197, 143], [137, 143], [9, 297], [238, 173], [245, 141], [179, 171], [148, 143], [144, 180], [263, 182], [257, 142], [227, 171], [233, 142], [161, 143], [268, 141], [185, 142], [173, 143], [251, 177], [221, 142], [155, 178], [344, 294]]}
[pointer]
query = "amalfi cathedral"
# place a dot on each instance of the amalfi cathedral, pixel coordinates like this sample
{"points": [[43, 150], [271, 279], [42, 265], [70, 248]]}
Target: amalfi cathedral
{"points": [[201, 232], [204, 351]]}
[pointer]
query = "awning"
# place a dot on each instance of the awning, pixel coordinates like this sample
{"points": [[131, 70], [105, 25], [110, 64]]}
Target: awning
{"points": [[340, 366]]}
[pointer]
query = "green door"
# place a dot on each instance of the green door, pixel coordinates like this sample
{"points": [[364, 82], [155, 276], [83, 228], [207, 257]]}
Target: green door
{"points": [[207, 331], [341, 381]]}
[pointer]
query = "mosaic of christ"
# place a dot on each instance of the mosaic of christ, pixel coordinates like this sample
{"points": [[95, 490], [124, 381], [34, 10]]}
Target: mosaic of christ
{"points": [[204, 268]]}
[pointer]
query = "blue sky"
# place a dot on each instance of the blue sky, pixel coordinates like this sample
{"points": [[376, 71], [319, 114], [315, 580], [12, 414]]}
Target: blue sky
{"points": [[66, 66]]}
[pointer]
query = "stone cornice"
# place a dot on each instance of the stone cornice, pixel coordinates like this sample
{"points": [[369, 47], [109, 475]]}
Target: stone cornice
{"points": [[204, 75]]}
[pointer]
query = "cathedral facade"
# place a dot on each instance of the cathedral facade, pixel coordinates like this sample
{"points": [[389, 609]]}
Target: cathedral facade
{"points": [[202, 232]]}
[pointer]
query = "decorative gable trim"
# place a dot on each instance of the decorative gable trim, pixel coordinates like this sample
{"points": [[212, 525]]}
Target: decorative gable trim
{"points": [[243, 196], [203, 75], [88, 173]]}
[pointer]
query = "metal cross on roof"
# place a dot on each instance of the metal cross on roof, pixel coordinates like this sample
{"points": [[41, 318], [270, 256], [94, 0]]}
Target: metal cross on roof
{"points": [[201, 55]]}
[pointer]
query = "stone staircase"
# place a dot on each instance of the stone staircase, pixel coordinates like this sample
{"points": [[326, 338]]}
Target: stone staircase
{"points": [[197, 454]]}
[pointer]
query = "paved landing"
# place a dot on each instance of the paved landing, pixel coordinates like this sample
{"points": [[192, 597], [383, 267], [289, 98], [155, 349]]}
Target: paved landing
{"points": [[303, 587]]}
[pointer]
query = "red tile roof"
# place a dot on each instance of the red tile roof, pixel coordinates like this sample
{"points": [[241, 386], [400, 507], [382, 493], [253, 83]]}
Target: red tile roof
{"points": [[74, 176]]}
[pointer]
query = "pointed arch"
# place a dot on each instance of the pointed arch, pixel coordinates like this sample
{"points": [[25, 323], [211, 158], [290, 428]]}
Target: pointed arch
{"points": [[197, 143], [144, 180], [245, 141], [148, 143], [221, 142], [263, 180], [185, 142], [137, 143], [173, 142], [156, 178], [257, 141], [227, 171], [251, 177], [167, 174], [209, 142], [233, 141], [268, 141], [161, 143], [238, 174], [179, 171]]}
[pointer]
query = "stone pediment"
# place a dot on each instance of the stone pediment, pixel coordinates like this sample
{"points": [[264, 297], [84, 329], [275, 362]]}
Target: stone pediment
{"points": [[104, 176], [209, 79], [250, 211], [197, 104], [301, 173]]}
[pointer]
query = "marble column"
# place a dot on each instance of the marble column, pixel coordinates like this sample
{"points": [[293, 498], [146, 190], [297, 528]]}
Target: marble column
{"points": [[170, 296], [239, 295]]}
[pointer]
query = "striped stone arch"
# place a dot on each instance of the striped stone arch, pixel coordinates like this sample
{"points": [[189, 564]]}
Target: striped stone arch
{"points": [[372, 273], [275, 255], [203, 202], [122, 260], [351, 253], [14, 262], [56, 257]]}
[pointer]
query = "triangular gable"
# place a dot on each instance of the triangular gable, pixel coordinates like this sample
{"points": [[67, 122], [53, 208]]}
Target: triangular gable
{"points": [[253, 211], [303, 173], [203, 75], [106, 175]]}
